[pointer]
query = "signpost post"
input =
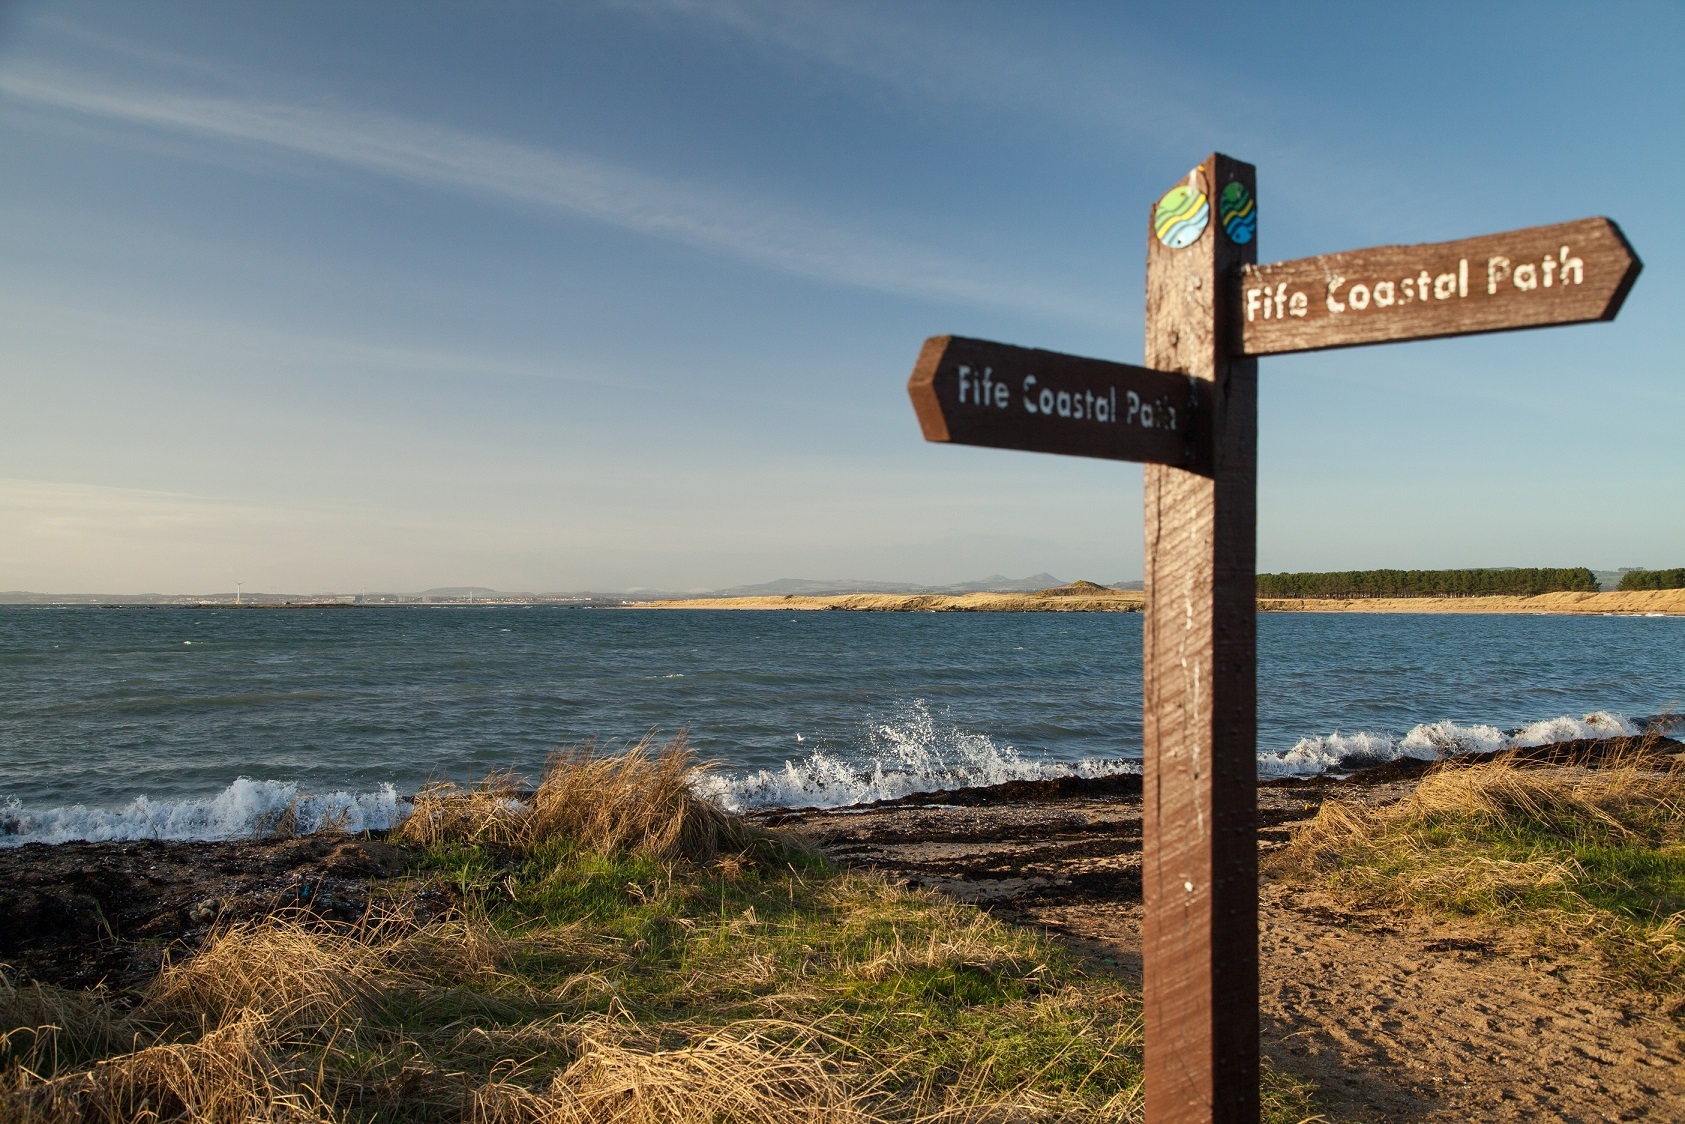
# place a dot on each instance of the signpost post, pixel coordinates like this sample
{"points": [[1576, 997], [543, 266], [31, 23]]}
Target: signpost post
{"points": [[1191, 415]]}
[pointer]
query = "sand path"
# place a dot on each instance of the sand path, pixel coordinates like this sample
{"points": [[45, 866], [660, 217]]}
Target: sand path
{"points": [[1394, 1018]]}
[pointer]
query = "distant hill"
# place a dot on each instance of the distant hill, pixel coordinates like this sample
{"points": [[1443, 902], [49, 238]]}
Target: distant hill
{"points": [[997, 583]]}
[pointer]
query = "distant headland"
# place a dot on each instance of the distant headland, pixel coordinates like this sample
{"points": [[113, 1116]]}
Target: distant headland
{"points": [[1496, 590], [1087, 597]]}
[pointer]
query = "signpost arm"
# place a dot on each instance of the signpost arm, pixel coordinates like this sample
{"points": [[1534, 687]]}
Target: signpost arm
{"points": [[1200, 932]]}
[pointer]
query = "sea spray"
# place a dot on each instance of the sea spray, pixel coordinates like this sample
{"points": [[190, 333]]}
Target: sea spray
{"points": [[914, 752], [1432, 741], [245, 809]]}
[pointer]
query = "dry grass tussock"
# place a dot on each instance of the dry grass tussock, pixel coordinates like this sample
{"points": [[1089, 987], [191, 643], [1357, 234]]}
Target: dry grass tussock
{"points": [[1633, 797], [768, 1071], [246, 1029], [296, 973], [1627, 797], [642, 801], [748, 1073], [56, 1027], [233, 1074]]}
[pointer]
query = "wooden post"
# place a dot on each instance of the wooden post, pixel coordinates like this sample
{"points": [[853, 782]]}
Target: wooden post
{"points": [[1200, 934]]}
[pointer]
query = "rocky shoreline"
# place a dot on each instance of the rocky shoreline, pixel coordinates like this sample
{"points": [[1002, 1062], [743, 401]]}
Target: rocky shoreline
{"points": [[106, 914]]}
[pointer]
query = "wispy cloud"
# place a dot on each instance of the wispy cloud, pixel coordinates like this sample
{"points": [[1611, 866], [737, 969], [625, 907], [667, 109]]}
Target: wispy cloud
{"points": [[1134, 90], [153, 332], [699, 215]]}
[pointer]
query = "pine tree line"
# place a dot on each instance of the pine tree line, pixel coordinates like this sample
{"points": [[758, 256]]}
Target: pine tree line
{"points": [[1433, 583], [1654, 579]]}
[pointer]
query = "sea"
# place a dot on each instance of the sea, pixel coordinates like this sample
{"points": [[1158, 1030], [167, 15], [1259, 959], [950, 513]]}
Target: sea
{"points": [[207, 723]]}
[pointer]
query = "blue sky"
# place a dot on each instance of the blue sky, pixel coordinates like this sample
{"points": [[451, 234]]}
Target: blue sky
{"points": [[329, 296]]}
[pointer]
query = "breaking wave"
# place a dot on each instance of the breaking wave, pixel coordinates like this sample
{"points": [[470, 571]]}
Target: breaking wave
{"points": [[914, 753], [1429, 742], [245, 809]]}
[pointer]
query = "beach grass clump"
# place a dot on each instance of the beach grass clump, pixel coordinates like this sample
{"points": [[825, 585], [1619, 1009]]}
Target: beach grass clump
{"points": [[750, 1073], [1590, 855], [641, 801], [234, 1073], [606, 959], [64, 1026], [293, 971]]}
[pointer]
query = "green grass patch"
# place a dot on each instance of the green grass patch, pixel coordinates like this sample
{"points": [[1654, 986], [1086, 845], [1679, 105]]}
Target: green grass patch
{"points": [[1576, 858]]}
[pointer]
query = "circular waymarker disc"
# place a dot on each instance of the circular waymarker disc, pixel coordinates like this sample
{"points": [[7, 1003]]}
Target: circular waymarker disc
{"points": [[1183, 214], [1238, 213]]}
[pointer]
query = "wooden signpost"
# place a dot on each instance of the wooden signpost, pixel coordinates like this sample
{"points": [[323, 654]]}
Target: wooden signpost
{"points": [[1191, 415]]}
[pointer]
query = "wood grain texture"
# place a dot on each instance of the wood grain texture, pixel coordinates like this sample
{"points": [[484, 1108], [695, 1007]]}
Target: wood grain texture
{"points": [[1568, 273], [1200, 933], [973, 392]]}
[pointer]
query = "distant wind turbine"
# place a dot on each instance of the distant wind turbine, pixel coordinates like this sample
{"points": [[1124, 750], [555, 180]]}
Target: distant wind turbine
{"points": [[237, 587]]}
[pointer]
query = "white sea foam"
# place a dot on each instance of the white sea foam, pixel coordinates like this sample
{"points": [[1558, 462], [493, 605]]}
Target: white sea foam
{"points": [[914, 753], [1431, 741], [244, 809]]}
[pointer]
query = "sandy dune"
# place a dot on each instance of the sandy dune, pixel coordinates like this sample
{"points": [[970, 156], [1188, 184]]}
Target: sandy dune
{"points": [[1047, 601], [1086, 598]]}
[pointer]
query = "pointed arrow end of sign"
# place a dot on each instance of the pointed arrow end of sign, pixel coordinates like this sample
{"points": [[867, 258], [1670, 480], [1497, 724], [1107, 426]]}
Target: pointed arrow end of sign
{"points": [[921, 388], [1633, 269]]}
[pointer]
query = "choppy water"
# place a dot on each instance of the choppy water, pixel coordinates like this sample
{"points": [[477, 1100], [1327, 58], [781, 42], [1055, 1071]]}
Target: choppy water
{"points": [[121, 723]]}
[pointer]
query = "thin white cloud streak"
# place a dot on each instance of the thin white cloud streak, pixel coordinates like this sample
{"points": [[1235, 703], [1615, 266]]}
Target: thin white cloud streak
{"points": [[439, 156], [1138, 90], [952, 64], [143, 332]]}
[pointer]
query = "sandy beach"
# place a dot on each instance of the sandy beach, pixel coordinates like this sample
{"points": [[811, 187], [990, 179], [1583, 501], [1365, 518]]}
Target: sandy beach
{"points": [[1084, 597], [1649, 602]]}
